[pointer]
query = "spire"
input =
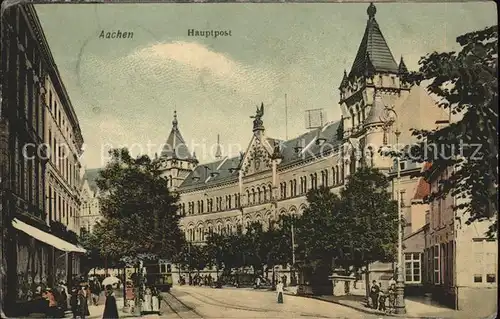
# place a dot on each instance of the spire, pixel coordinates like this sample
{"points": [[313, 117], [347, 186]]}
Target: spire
{"points": [[218, 152], [402, 69], [175, 147], [174, 121], [344, 80], [374, 47]]}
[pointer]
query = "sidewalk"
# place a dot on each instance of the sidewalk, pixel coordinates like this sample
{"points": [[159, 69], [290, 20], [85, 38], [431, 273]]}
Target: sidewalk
{"points": [[414, 308]]}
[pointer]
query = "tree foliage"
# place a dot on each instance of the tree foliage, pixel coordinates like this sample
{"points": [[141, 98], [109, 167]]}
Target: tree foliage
{"points": [[466, 82], [140, 213], [353, 229]]}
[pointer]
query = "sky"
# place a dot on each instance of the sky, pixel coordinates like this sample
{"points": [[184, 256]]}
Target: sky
{"points": [[125, 91]]}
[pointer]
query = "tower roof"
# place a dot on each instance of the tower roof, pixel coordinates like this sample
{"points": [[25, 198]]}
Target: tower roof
{"points": [[402, 67], [373, 49], [175, 147], [218, 152]]}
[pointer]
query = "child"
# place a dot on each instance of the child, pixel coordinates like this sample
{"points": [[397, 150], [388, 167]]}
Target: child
{"points": [[381, 301], [392, 298]]}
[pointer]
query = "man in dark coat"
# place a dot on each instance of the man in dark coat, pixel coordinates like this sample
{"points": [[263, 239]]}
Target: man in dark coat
{"points": [[110, 308]]}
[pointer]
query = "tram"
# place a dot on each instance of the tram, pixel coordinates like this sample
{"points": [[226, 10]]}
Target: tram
{"points": [[159, 275]]}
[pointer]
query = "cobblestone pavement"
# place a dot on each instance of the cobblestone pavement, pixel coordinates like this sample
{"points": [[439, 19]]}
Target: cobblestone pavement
{"points": [[187, 302], [201, 302]]}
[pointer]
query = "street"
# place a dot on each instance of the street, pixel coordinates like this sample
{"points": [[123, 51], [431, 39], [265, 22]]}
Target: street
{"points": [[201, 302]]}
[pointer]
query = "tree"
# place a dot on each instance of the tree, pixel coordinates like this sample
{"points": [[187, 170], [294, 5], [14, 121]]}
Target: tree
{"points": [[140, 213], [318, 229], [369, 218], [352, 230], [466, 83], [93, 257]]}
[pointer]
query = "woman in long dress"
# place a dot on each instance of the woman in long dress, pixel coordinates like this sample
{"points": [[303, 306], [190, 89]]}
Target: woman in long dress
{"points": [[110, 308], [279, 291]]}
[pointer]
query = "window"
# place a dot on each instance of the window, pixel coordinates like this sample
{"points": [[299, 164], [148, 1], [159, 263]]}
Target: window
{"points": [[478, 278], [402, 194], [402, 166], [490, 278], [413, 267], [436, 265]]}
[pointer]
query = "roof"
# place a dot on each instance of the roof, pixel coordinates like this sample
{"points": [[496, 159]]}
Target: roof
{"points": [[175, 147], [373, 52], [423, 187], [226, 169]]}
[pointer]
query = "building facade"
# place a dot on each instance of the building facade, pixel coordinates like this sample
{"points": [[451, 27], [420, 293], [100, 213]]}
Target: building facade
{"points": [[89, 210], [461, 263], [31, 244], [273, 175]]}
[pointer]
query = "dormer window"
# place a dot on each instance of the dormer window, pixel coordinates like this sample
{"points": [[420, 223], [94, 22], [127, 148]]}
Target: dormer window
{"points": [[214, 174], [402, 166]]}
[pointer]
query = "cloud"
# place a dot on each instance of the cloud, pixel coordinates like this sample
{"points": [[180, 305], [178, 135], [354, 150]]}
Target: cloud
{"points": [[196, 62]]}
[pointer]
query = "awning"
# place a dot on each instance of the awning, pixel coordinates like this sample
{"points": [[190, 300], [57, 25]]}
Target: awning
{"points": [[47, 238]]}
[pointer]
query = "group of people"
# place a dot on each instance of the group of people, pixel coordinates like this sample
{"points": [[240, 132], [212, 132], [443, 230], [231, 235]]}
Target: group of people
{"points": [[379, 297], [199, 280]]}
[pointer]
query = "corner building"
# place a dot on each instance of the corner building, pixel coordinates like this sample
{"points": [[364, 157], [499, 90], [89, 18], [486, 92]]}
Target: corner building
{"points": [[30, 243], [272, 176]]}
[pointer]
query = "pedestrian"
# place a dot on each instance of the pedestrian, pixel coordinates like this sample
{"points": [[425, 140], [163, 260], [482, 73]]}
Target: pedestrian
{"points": [[392, 298], [279, 291], [381, 301], [73, 302], [392, 282], [50, 297], [83, 306], [110, 308], [95, 291], [374, 290]]}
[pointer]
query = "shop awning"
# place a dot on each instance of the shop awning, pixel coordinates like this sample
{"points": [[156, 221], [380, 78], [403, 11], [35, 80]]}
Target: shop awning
{"points": [[47, 238]]}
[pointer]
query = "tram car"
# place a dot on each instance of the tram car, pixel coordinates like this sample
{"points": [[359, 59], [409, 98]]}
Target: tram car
{"points": [[159, 275]]}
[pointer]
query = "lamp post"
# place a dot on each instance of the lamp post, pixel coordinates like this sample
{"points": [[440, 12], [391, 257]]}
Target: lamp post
{"points": [[388, 118]]}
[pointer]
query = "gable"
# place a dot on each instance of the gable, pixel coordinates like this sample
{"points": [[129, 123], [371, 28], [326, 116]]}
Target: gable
{"points": [[257, 158]]}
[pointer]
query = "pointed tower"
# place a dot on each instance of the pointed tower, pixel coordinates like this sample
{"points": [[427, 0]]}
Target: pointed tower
{"points": [[178, 160], [374, 69], [218, 152]]}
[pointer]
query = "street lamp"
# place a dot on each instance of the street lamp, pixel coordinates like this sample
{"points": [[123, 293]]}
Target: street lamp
{"points": [[388, 118]]}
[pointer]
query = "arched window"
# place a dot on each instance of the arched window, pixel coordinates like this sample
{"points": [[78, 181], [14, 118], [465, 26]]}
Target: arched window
{"points": [[352, 168], [337, 173], [358, 112], [248, 197], [270, 188], [259, 195], [291, 189], [253, 196], [371, 154], [264, 192]]}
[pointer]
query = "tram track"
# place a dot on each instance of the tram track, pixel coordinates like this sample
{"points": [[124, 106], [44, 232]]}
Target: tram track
{"points": [[180, 308]]}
